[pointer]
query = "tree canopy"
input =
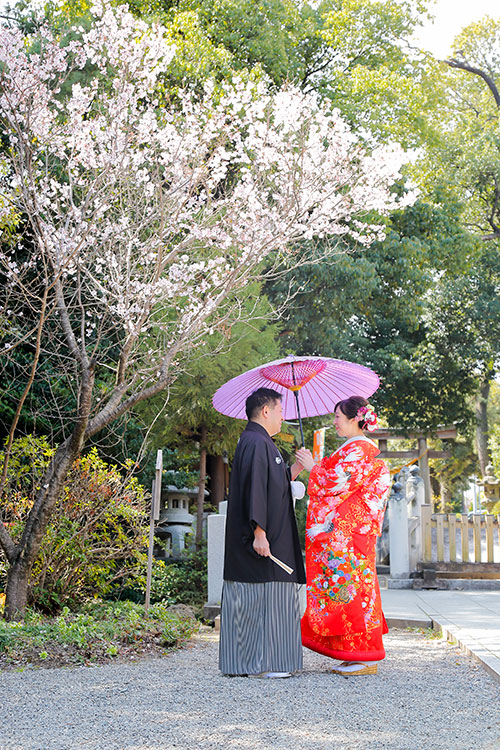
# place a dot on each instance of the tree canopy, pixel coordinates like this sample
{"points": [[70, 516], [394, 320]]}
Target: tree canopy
{"points": [[145, 216]]}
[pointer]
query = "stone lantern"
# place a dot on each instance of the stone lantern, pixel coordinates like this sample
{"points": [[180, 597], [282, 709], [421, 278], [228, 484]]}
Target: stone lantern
{"points": [[491, 488], [175, 520]]}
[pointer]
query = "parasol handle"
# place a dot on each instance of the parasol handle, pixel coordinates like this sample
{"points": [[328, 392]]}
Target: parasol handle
{"points": [[300, 418], [296, 394]]}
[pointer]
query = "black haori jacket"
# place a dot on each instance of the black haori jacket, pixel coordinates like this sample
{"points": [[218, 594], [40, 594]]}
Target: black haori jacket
{"points": [[260, 495]]}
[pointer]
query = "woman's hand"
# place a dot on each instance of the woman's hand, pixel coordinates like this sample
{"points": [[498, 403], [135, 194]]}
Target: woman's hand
{"points": [[303, 456]]}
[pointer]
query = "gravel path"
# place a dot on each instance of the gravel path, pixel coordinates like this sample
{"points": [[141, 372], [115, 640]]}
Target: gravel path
{"points": [[426, 695]]}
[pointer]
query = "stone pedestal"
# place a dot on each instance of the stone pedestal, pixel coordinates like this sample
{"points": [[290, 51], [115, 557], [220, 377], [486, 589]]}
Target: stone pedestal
{"points": [[415, 498], [398, 533], [216, 529], [491, 488]]}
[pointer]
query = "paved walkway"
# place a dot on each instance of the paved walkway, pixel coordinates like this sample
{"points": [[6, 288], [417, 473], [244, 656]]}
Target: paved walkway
{"points": [[471, 618]]}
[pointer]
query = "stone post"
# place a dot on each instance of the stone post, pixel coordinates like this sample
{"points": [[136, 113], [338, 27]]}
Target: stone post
{"points": [[415, 498], [398, 532], [424, 468], [216, 529]]}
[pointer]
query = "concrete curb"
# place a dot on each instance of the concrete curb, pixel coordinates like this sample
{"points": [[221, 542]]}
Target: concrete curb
{"points": [[408, 622], [467, 620], [453, 634], [469, 645]]}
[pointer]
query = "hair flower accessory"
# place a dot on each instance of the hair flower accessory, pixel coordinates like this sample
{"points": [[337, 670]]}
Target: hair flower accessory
{"points": [[367, 415]]}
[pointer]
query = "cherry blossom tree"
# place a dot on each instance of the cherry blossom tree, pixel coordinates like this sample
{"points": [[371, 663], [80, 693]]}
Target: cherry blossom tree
{"points": [[140, 217]]}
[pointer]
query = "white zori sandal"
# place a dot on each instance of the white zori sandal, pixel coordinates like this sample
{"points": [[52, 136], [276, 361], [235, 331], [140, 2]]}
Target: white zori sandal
{"points": [[352, 668]]}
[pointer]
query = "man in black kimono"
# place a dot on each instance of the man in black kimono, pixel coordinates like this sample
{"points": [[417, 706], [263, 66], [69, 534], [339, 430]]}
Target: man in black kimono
{"points": [[260, 614]]}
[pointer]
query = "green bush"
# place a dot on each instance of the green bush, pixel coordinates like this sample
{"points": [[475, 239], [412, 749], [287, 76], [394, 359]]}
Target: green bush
{"points": [[29, 457], [97, 534], [94, 545], [100, 631], [180, 582]]}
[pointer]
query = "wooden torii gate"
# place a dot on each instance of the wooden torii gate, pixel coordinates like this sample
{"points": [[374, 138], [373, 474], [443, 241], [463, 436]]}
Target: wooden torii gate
{"points": [[421, 453]]}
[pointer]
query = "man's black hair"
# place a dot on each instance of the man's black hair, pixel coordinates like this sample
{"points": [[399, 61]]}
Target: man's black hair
{"points": [[259, 398]]}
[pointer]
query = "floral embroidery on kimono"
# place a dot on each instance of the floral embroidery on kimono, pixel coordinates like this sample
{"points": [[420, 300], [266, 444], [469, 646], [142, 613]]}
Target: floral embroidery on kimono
{"points": [[348, 492]]}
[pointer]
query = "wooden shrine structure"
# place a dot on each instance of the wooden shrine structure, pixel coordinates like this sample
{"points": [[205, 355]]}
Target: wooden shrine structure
{"points": [[420, 454]]}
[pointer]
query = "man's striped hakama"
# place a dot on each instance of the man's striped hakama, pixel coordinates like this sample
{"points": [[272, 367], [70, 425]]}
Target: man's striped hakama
{"points": [[260, 628]]}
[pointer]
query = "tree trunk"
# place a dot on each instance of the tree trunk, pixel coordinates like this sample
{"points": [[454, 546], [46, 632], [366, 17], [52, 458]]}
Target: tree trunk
{"points": [[445, 493], [28, 548], [481, 412], [201, 489], [24, 554], [217, 485], [16, 595]]}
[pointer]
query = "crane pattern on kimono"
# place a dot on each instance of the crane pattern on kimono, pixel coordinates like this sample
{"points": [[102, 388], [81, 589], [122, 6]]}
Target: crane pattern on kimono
{"points": [[348, 492], [333, 484]]}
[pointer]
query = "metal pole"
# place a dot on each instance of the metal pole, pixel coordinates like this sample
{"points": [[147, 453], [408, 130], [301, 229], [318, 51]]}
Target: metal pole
{"points": [[300, 418], [296, 394]]}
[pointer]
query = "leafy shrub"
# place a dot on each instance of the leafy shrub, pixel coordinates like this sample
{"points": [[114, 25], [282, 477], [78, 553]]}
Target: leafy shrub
{"points": [[100, 631], [94, 545], [97, 531], [180, 582], [29, 457]]}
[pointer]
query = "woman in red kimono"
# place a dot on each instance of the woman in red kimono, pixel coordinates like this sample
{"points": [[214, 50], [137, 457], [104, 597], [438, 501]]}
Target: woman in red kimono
{"points": [[348, 492]]}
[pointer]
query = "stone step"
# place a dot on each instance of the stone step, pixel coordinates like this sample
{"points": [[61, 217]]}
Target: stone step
{"points": [[457, 584]]}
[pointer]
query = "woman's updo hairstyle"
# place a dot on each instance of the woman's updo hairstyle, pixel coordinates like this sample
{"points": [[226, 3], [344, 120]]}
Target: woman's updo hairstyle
{"points": [[350, 407]]}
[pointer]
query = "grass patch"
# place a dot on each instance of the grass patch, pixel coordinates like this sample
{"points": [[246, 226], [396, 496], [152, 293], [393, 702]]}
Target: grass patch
{"points": [[99, 632], [429, 633]]}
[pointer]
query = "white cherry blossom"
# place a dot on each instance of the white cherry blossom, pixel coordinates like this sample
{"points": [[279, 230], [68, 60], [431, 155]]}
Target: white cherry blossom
{"points": [[147, 215]]}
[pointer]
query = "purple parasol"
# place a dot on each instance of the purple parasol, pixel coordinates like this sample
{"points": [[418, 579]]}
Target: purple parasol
{"points": [[310, 386]]}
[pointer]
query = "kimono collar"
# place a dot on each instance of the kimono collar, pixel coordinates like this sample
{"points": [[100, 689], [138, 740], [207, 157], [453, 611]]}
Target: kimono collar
{"points": [[361, 439], [256, 427]]}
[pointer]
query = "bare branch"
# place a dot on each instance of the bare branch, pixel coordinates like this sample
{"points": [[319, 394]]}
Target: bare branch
{"points": [[462, 65], [34, 365]]}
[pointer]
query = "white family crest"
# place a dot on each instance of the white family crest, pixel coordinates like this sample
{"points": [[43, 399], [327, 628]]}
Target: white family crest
{"points": [[278, 459]]}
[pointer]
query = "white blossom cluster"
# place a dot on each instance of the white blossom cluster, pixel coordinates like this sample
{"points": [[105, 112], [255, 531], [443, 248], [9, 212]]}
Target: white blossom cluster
{"points": [[156, 205]]}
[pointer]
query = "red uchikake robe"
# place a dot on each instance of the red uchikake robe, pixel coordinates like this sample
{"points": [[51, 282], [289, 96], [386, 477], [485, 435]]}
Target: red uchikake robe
{"points": [[347, 496]]}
